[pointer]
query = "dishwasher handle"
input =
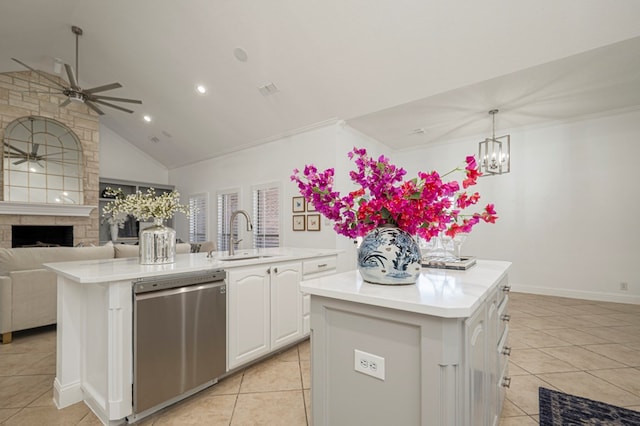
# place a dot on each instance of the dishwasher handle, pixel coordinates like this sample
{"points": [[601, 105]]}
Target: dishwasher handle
{"points": [[181, 290]]}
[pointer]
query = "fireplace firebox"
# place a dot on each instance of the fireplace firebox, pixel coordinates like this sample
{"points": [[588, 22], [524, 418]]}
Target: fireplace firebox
{"points": [[41, 236]]}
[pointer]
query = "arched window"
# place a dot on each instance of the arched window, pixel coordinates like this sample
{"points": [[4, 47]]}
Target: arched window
{"points": [[42, 162]]}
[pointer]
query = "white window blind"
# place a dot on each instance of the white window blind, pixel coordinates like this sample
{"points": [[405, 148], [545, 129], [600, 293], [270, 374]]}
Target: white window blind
{"points": [[227, 204], [199, 207], [266, 217]]}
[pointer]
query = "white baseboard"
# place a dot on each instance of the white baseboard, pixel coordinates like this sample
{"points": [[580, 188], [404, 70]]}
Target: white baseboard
{"points": [[64, 396], [578, 294]]}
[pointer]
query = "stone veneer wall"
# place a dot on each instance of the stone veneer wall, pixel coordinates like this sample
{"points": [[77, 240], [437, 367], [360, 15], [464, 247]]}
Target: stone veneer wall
{"points": [[15, 102]]}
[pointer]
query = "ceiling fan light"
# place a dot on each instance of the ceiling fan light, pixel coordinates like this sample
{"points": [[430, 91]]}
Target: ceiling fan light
{"points": [[147, 118], [201, 89], [75, 96]]}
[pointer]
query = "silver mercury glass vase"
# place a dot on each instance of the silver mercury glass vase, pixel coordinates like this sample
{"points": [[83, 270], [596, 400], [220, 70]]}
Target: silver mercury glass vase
{"points": [[157, 244]]}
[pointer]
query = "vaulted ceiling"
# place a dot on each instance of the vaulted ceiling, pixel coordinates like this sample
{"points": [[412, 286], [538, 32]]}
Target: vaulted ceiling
{"points": [[387, 67]]}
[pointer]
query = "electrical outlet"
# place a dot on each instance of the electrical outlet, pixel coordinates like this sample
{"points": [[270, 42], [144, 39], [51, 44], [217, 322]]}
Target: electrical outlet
{"points": [[372, 365], [624, 286]]}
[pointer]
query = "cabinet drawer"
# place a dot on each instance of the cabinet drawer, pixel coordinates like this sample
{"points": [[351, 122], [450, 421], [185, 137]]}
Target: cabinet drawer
{"points": [[503, 383], [504, 350], [319, 265], [503, 314]]}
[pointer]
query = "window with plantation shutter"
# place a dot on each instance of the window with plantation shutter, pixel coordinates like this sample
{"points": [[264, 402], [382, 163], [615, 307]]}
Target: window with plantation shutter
{"points": [[198, 213], [227, 204], [266, 216]]}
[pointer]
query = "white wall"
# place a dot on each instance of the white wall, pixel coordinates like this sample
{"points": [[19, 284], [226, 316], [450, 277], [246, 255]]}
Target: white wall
{"points": [[119, 159], [324, 147], [567, 210]]}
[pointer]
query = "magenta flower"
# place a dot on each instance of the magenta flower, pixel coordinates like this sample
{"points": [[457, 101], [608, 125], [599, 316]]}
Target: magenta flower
{"points": [[424, 206]]}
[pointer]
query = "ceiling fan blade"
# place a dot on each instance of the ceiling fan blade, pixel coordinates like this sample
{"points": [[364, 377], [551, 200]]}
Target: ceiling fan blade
{"points": [[16, 149], [41, 74], [103, 88], [65, 103], [34, 149], [113, 106], [111, 98], [93, 107], [19, 162], [72, 77]]}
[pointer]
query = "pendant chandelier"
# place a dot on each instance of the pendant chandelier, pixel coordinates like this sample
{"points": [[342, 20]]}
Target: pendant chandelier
{"points": [[494, 153]]}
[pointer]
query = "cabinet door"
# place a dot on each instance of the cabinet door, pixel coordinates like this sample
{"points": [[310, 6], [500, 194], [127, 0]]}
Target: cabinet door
{"points": [[249, 314], [476, 335], [286, 304], [493, 416]]}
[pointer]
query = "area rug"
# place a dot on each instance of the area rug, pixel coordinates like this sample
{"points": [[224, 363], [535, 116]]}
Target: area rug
{"points": [[561, 409]]}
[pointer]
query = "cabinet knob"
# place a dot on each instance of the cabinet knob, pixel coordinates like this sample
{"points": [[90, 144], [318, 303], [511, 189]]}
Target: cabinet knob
{"points": [[506, 351], [275, 270], [269, 271], [506, 382], [506, 288], [505, 317], [322, 265]]}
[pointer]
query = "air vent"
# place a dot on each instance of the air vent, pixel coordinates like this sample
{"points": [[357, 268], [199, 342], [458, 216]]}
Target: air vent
{"points": [[154, 139], [419, 131], [268, 89]]}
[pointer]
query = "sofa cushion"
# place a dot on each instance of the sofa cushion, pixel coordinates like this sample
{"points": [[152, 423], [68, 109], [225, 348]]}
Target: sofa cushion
{"points": [[34, 298], [22, 259]]}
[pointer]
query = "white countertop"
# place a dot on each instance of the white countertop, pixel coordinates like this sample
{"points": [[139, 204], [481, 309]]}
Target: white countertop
{"points": [[438, 292], [109, 270]]}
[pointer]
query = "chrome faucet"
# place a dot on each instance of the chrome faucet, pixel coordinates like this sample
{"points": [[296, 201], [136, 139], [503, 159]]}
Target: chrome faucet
{"points": [[232, 241]]}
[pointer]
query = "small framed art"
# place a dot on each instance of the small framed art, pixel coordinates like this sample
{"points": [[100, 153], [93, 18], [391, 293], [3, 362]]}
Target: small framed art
{"points": [[297, 204], [311, 207], [313, 222], [298, 222]]}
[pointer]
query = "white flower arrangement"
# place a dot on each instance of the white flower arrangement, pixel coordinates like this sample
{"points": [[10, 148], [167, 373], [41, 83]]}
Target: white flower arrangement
{"points": [[115, 219], [144, 206]]}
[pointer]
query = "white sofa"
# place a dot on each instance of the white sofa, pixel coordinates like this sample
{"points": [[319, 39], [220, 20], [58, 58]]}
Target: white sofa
{"points": [[28, 292]]}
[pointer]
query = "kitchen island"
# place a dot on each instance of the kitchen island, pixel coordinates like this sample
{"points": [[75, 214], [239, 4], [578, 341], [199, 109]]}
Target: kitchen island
{"points": [[95, 348], [433, 353]]}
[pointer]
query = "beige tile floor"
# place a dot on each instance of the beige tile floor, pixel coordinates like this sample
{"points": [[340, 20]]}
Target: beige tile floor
{"points": [[586, 348]]}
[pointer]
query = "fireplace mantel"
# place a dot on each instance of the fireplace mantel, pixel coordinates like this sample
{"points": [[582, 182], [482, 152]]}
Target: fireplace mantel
{"points": [[43, 209]]}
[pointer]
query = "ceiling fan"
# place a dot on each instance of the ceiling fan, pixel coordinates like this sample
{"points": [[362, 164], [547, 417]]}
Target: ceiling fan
{"points": [[75, 93]]}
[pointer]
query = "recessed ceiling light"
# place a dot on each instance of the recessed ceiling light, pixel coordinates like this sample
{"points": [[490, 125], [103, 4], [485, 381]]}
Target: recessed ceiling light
{"points": [[201, 89], [240, 54], [147, 118]]}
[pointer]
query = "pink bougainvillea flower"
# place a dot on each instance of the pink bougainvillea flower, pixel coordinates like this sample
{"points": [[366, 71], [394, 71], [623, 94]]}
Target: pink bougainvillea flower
{"points": [[424, 206]]}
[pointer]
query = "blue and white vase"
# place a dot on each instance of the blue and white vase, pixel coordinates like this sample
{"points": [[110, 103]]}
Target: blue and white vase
{"points": [[388, 255]]}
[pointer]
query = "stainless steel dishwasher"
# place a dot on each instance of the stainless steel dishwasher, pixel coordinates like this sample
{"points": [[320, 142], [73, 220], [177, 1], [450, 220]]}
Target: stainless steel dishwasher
{"points": [[179, 337]]}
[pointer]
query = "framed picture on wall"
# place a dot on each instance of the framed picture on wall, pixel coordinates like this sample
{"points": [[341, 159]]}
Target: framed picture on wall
{"points": [[311, 207], [298, 204], [298, 222], [313, 222]]}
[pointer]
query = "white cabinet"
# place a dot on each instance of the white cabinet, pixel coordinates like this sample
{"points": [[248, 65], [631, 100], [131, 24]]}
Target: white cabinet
{"points": [[286, 304], [314, 268], [486, 354], [248, 313], [476, 331], [265, 310]]}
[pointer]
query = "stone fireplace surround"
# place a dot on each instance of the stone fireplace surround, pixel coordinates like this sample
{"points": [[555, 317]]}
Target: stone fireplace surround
{"points": [[15, 103]]}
